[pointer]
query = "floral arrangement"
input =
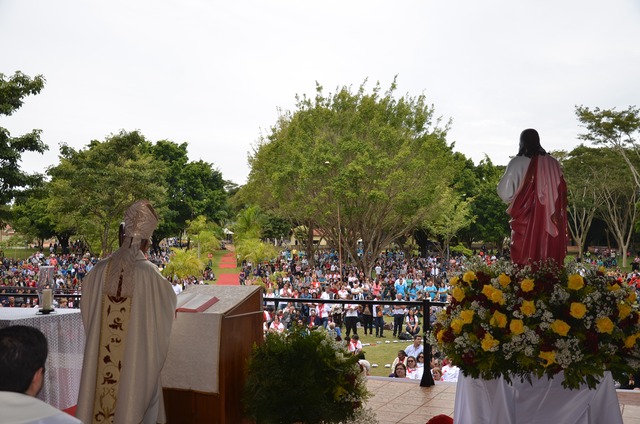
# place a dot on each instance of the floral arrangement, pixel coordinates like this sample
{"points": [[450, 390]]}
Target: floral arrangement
{"points": [[304, 376], [508, 321]]}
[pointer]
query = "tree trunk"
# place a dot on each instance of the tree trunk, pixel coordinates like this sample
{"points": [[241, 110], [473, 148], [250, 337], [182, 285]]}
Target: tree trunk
{"points": [[309, 246]]}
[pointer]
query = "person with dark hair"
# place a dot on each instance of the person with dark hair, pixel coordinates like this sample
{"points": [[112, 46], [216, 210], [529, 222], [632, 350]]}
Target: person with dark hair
{"points": [[400, 358], [399, 371], [533, 185], [23, 353]]}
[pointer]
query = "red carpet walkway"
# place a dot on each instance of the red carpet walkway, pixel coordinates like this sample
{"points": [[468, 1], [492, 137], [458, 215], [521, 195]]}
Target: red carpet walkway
{"points": [[228, 261]]}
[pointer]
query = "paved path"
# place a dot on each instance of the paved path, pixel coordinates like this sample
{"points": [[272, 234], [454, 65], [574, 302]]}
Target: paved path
{"points": [[405, 402], [228, 260]]}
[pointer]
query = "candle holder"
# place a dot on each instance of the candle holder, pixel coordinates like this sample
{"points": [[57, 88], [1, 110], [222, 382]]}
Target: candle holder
{"points": [[45, 283], [46, 311]]}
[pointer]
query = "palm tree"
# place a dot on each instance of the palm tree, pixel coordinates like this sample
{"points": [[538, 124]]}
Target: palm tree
{"points": [[183, 263]]}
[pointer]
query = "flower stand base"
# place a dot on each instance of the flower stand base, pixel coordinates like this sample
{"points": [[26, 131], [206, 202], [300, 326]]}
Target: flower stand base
{"points": [[541, 402]]}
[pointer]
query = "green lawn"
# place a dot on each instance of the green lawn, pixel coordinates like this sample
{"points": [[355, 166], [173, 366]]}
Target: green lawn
{"points": [[379, 351], [17, 252]]}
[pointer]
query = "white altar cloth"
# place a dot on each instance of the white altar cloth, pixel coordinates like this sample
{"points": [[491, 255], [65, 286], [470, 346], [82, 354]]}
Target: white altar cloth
{"points": [[542, 402], [65, 337]]}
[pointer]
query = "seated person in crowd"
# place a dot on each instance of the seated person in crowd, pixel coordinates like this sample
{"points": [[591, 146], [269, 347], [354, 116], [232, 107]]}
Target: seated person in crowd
{"points": [[334, 332], [437, 374], [413, 371], [415, 348], [365, 366], [355, 345], [399, 371], [314, 320], [23, 353], [450, 371], [420, 359], [401, 358], [412, 324], [276, 325]]}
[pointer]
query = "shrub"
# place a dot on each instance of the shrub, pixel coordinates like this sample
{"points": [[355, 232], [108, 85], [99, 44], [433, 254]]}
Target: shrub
{"points": [[303, 376]]}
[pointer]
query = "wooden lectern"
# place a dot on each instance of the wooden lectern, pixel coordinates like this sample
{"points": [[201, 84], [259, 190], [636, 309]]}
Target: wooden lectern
{"points": [[204, 375]]}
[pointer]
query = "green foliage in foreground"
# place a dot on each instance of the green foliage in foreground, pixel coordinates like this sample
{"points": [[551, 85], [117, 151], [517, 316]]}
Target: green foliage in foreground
{"points": [[303, 376]]}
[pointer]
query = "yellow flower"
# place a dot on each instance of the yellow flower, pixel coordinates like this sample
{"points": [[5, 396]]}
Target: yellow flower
{"points": [[614, 287], [631, 299], [489, 342], [456, 325], [604, 325], [560, 327], [623, 311], [440, 336], [548, 357], [504, 280], [498, 319], [516, 326], [497, 296], [454, 281], [527, 285], [466, 316], [528, 308], [576, 282], [487, 290], [468, 277], [458, 294], [630, 341], [578, 310]]}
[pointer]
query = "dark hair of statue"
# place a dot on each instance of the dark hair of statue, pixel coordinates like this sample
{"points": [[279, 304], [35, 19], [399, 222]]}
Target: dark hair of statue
{"points": [[23, 351], [530, 144]]}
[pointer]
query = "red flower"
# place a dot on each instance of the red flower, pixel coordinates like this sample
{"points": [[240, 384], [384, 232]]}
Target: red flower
{"points": [[592, 342], [441, 419], [448, 336], [469, 358], [483, 278]]}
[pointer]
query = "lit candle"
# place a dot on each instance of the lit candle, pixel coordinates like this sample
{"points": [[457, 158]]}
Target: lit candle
{"points": [[47, 300]]}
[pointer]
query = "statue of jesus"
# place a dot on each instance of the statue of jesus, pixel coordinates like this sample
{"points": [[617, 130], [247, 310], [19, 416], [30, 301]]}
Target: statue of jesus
{"points": [[536, 192]]}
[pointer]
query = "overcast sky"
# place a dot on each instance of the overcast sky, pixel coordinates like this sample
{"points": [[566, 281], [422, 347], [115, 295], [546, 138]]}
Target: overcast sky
{"points": [[214, 73]]}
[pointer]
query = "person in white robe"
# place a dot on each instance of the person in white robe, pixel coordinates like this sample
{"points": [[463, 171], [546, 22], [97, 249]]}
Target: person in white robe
{"points": [[127, 309], [23, 354]]}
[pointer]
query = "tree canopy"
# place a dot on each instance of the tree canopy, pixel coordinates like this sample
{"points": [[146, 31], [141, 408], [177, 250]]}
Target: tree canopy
{"points": [[13, 90], [92, 187], [619, 130], [363, 168], [193, 189]]}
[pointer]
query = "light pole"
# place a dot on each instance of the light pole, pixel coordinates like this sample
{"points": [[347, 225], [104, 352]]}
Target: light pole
{"points": [[339, 232]]}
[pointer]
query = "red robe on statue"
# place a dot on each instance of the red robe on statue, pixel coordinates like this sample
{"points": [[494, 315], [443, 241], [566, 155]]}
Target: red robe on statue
{"points": [[539, 214]]}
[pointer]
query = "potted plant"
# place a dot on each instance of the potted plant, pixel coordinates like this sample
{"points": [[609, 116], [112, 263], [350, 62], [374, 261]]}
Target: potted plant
{"points": [[303, 376]]}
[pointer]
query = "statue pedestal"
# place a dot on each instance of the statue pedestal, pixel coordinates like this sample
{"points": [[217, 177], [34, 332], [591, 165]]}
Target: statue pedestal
{"points": [[543, 401]]}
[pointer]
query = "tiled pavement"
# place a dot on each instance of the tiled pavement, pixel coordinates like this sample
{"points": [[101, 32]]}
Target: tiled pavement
{"points": [[405, 402]]}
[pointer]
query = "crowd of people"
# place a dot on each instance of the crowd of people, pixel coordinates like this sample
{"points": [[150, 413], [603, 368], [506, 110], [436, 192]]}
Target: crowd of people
{"points": [[70, 270], [395, 278]]}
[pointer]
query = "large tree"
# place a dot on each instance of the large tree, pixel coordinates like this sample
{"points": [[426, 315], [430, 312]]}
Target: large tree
{"points": [[455, 216], [92, 187], [30, 215], [582, 171], [361, 167], [619, 130], [619, 206], [13, 89], [193, 189], [491, 224]]}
